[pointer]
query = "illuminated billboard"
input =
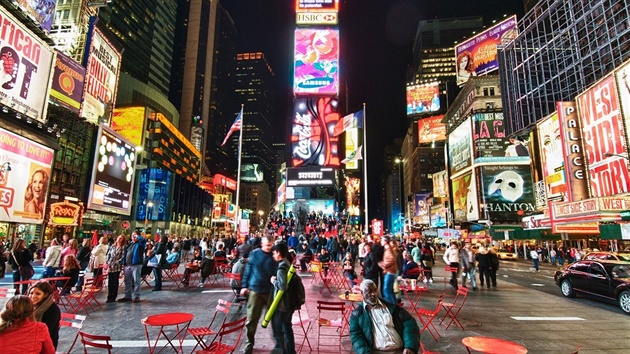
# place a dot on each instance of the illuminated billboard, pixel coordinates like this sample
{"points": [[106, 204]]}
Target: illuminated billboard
{"points": [[67, 84], [353, 196], [153, 195], [129, 122], [438, 215], [316, 5], [603, 139], [623, 83], [431, 130], [460, 147], [328, 18], [312, 142], [421, 211], [316, 62], [440, 184], [465, 198], [552, 158], [491, 143], [113, 174], [252, 172], [23, 189], [478, 55], [41, 11], [352, 143], [27, 64], [101, 79], [423, 98], [509, 192], [310, 176]]}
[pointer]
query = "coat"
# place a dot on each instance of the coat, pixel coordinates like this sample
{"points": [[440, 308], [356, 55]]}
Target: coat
{"points": [[30, 338], [361, 334]]}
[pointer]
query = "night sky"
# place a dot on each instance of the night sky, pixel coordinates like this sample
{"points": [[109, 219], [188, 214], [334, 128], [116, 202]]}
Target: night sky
{"points": [[376, 50]]}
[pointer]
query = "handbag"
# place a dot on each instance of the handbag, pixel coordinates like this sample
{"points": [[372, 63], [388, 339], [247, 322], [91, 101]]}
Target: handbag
{"points": [[154, 261]]}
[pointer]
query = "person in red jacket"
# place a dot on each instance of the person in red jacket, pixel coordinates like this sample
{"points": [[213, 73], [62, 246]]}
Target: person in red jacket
{"points": [[19, 332]]}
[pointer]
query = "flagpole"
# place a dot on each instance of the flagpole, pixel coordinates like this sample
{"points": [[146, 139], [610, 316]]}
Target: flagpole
{"points": [[237, 216], [365, 183]]}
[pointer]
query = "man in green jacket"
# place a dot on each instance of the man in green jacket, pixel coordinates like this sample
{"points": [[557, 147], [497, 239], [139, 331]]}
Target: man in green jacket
{"points": [[378, 326]]}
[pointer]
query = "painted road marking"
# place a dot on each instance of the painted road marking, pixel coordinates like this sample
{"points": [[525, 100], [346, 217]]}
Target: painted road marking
{"points": [[216, 291], [547, 318], [538, 284]]}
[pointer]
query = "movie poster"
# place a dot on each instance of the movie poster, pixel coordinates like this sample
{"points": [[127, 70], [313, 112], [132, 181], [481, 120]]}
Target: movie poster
{"points": [[552, 158], [509, 192], [460, 147], [465, 198]]}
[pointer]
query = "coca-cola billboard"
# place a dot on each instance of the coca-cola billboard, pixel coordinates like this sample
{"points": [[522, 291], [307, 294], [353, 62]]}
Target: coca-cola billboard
{"points": [[312, 143]]}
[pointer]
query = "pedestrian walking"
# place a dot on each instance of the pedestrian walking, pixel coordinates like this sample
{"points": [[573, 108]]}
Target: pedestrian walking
{"points": [[469, 271], [483, 262], [451, 258], [534, 255]]}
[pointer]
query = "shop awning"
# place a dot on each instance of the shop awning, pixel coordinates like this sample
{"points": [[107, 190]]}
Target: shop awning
{"points": [[614, 231], [535, 234]]}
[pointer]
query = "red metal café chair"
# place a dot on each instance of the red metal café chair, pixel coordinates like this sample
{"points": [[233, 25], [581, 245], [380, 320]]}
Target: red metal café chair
{"points": [[305, 325], [7, 293], [95, 341], [453, 308], [72, 321], [332, 327], [426, 317], [199, 332], [448, 276], [219, 344]]}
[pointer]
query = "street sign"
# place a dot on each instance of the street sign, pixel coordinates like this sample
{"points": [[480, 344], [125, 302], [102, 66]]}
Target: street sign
{"points": [[625, 215]]}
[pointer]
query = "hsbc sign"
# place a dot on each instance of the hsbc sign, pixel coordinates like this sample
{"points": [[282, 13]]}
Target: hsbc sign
{"points": [[316, 18]]}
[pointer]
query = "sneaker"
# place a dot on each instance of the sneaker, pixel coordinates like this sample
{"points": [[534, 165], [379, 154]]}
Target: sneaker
{"points": [[425, 280], [200, 285], [124, 299], [430, 280]]}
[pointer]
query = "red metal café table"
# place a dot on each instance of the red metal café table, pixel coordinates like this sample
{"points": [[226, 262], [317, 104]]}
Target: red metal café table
{"points": [[179, 320], [492, 345]]}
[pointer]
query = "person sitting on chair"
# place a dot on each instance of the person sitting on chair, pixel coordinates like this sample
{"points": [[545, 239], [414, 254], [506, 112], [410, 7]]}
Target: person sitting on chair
{"points": [[306, 258], [378, 326], [173, 256]]}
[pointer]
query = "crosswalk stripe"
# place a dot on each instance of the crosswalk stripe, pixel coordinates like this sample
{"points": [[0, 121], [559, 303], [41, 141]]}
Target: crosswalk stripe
{"points": [[546, 318]]}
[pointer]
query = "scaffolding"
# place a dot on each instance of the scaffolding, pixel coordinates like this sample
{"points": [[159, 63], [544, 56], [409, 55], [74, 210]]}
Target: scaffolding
{"points": [[563, 47]]}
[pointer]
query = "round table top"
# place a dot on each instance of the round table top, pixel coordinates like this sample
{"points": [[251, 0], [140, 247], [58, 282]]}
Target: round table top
{"points": [[493, 345], [55, 278], [351, 297], [416, 288], [168, 319]]}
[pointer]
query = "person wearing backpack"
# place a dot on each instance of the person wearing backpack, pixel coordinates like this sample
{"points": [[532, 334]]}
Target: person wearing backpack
{"points": [[281, 320]]}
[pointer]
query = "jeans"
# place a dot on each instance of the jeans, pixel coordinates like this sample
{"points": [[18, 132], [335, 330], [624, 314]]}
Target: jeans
{"points": [[535, 263], [472, 276], [255, 304], [388, 288], [157, 274], [132, 281], [553, 261], [283, 332]]}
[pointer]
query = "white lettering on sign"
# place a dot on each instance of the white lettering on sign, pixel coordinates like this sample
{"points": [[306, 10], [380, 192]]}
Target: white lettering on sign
{"points": [[308, 175]]}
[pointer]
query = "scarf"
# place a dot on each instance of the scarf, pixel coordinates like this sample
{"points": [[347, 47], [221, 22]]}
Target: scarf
{"points": [[43, 307]]}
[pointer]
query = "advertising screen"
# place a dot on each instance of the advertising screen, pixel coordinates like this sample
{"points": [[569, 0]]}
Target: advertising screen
{"points": [[41, 11], [152, 200], [353, 196], [423, 98], [491, 143], [129, 122], [67, 84], [603, 139], [113, 175], [312, 143], [509, 192], [24, 189], [552, 158], [460, 147], [440, 185], [478, 55], [465, 199], [352, 143], [438, 215], [316, 62], [252, 172], [326, 206], [310, 176], [431, 130], [27, 64], [101, 80], [422, 208], [314, 5], [623, 83]]}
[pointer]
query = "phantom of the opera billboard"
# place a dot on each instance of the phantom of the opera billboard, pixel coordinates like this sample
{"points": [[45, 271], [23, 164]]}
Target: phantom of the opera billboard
{"points": [[423, 98], [101, 79], [113, 175], [316, 62], [312, 143], [478, 55], [27, 63], [431, 130], [509, 192], [604, 140], [67, 83], [23, 188]]}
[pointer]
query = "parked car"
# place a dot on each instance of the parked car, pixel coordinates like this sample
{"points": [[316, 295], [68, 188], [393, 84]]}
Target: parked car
{"points": [[600, 279], [610, 256], [505, 254]]}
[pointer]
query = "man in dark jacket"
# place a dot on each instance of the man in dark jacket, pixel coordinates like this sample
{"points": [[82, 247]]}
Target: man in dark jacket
{"points": [[397, 330]]}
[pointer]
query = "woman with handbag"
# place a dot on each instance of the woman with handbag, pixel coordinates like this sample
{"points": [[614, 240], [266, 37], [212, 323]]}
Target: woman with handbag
{"points": [[99, 254], [114, 261], [83, 257], [160, 252], [20, 260]]}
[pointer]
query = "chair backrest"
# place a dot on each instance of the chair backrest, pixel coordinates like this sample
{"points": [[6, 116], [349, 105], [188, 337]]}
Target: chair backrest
{"points": [[462, 292], [222, 306], [227, 328], [71, 320], [316, 266], [450, 269], [331, 306], [415, 272], [220, 260], [95, 341], [6, 293]]}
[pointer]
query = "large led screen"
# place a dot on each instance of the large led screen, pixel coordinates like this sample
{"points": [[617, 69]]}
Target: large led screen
{"points": [[431, 130], [312, 142], [552, 158], [509, 192], [353, 196], [24, 189], [423, 98], [113, 175], [129, 122], [67, 84], [325, 206], [27, 64], [311, 5], [153, 195], [465, 198], [41, 11], [478, 55], [252, 172], [460, 147], [101, 80], [603, 139], [316, 62]]}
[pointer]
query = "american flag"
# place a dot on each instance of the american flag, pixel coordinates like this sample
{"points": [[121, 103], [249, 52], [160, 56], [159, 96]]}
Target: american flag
{"points": [[235, 126]]}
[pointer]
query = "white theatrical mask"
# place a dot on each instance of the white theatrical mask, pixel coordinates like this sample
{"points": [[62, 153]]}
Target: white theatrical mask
{"points": [[508, 184]]}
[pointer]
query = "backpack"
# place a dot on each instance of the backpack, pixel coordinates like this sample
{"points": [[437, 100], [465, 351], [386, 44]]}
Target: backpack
{"points": [[295, 296]]}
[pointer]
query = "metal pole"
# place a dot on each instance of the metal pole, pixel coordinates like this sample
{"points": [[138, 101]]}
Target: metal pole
{"points": [[365, 167]]}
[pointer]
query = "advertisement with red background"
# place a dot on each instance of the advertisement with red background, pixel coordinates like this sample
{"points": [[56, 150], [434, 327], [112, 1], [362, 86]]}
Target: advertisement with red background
{"points": [[378, 229], [552, 158], [315, 5], [24, 189], [604, 138], [67, 84], [316, 62], [431, 130], [423, 98], [312, 143], [27, 64], [623, 83], [571, 133]]}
